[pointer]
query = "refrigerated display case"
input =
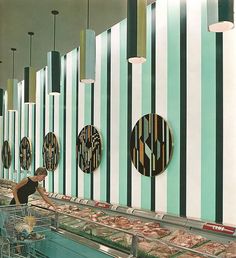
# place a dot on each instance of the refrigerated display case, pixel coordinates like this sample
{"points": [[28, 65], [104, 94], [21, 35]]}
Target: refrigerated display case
{"points": [[138, 233]]}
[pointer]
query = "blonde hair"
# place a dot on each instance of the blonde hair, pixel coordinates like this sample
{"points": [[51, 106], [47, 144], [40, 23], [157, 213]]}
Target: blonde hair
{"points": [[41, 171]]}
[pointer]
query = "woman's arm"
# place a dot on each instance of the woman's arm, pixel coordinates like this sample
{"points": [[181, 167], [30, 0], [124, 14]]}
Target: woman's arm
{"points": [[46, 199], [17, 187]]}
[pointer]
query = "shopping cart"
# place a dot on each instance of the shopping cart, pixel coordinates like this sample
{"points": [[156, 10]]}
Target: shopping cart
{"points": [[21, 227]]}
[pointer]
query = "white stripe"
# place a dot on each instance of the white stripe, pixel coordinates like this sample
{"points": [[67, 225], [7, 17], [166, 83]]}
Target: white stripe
{"points": [[69, 145], [47, 119], [80, 126], [11, 142], [229, 125], [38, 122], [136, 115], [23, 125], [161, 92], [97, 108], [1, 143], [56, 131], [6, 118], [193, 166], [115, 112]]}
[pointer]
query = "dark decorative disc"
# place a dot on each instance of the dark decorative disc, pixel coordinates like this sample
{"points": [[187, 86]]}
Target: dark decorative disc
{"points": [[151, 145], [25, 153], [51, 152], [88, 149], [6, 155]]}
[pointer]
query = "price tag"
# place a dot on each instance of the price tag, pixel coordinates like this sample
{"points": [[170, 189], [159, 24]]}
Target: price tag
{"points": [[77, 200], [84, 201], [66, 198], [54, 195], [114, 207], [102, 205], [59, 196], [130, 210], [159, 216], [219, 228]]}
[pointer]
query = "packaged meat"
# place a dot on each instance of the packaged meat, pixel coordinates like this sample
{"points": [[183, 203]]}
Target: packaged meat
{"points": [[211, 248], [230, 251]]}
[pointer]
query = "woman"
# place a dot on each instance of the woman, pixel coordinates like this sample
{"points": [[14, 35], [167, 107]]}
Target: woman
{"points": [[28, 186]]}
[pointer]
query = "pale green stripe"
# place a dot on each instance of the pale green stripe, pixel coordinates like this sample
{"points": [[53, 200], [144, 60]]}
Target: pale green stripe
{"points": [[19, 129], [1, 142], [87, 121], [123, 116], [173, 106], [12, 144], [73, 129], [33, 141], [208, 121], [103, 117], [61, 129], [146, 108]]}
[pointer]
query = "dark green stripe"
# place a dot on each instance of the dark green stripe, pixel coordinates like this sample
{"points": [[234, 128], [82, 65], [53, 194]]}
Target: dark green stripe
{"points": [[77, 104], [1, 102], [64, 132], [26, 84], [92, 123], [153, 89], [219, 127], [183, 106], [108, 113], [129, 129], [131, 28], [44, 91], [52, 177]]}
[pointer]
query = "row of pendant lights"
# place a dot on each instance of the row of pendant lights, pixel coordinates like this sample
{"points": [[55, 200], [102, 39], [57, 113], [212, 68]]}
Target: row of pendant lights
{"points": [[220, 19]]}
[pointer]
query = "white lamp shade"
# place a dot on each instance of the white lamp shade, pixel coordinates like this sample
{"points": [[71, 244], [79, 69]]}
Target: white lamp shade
{"points": [[87, 56], [220, 15]]}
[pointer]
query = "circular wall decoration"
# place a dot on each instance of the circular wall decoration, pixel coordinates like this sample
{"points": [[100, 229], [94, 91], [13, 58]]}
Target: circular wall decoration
{"points": [[151, 145], [25, 153], [89, 149], [6, 154], [51, 152]]}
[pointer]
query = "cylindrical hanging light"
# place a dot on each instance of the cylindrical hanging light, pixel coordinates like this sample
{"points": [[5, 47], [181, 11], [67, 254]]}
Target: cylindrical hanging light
{"points": [[87, 53], [30, 79], [12, 89], [1, 101], [220, 15], [136, 31], [54, 65]]}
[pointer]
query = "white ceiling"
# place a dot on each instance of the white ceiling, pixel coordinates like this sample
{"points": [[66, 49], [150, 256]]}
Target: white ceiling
{"points": [[18, 17]]}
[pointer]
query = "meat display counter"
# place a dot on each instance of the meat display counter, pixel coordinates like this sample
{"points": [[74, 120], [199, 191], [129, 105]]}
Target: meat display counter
{"points": [[139, 233]]}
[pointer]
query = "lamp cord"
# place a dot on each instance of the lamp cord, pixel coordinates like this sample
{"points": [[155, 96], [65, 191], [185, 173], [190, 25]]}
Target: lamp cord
{"points": [[54, 34], [13, 64], [30, 56], [88, 25]]}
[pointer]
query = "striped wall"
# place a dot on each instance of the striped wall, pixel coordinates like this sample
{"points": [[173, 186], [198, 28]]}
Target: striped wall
{"points": [[188, 79]]}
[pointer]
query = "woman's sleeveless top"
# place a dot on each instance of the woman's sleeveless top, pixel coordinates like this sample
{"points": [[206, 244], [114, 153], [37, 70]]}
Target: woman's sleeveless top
{"points": [[26, 190]]}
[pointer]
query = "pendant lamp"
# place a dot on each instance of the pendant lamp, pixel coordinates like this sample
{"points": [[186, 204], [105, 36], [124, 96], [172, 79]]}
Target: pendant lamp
{"points": [[54, 64], [12, 89], [1, 99], [136, 31], [87, 53], [30, 78], [220, 15]]}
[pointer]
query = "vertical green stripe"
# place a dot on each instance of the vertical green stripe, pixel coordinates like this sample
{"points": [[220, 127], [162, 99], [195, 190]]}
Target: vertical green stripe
{"points": [[61, 170], [183, 106], [74, 120], [50, 117], [173, 106], [26, 128], [41, 116], [219, 127], [123, 117], [33, 140], [146, 109], [103, 117], [87, 121], [12, 145], [18, 167], [208, 121]]}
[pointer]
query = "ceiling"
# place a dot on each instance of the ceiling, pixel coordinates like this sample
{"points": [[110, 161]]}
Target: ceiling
{"points": [[18, 17]]}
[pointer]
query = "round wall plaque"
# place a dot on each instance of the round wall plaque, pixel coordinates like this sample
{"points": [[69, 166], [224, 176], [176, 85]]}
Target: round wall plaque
{"points": [[151, 145], [25, 153], [89, 149], [6, 155], [51, 152]]}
